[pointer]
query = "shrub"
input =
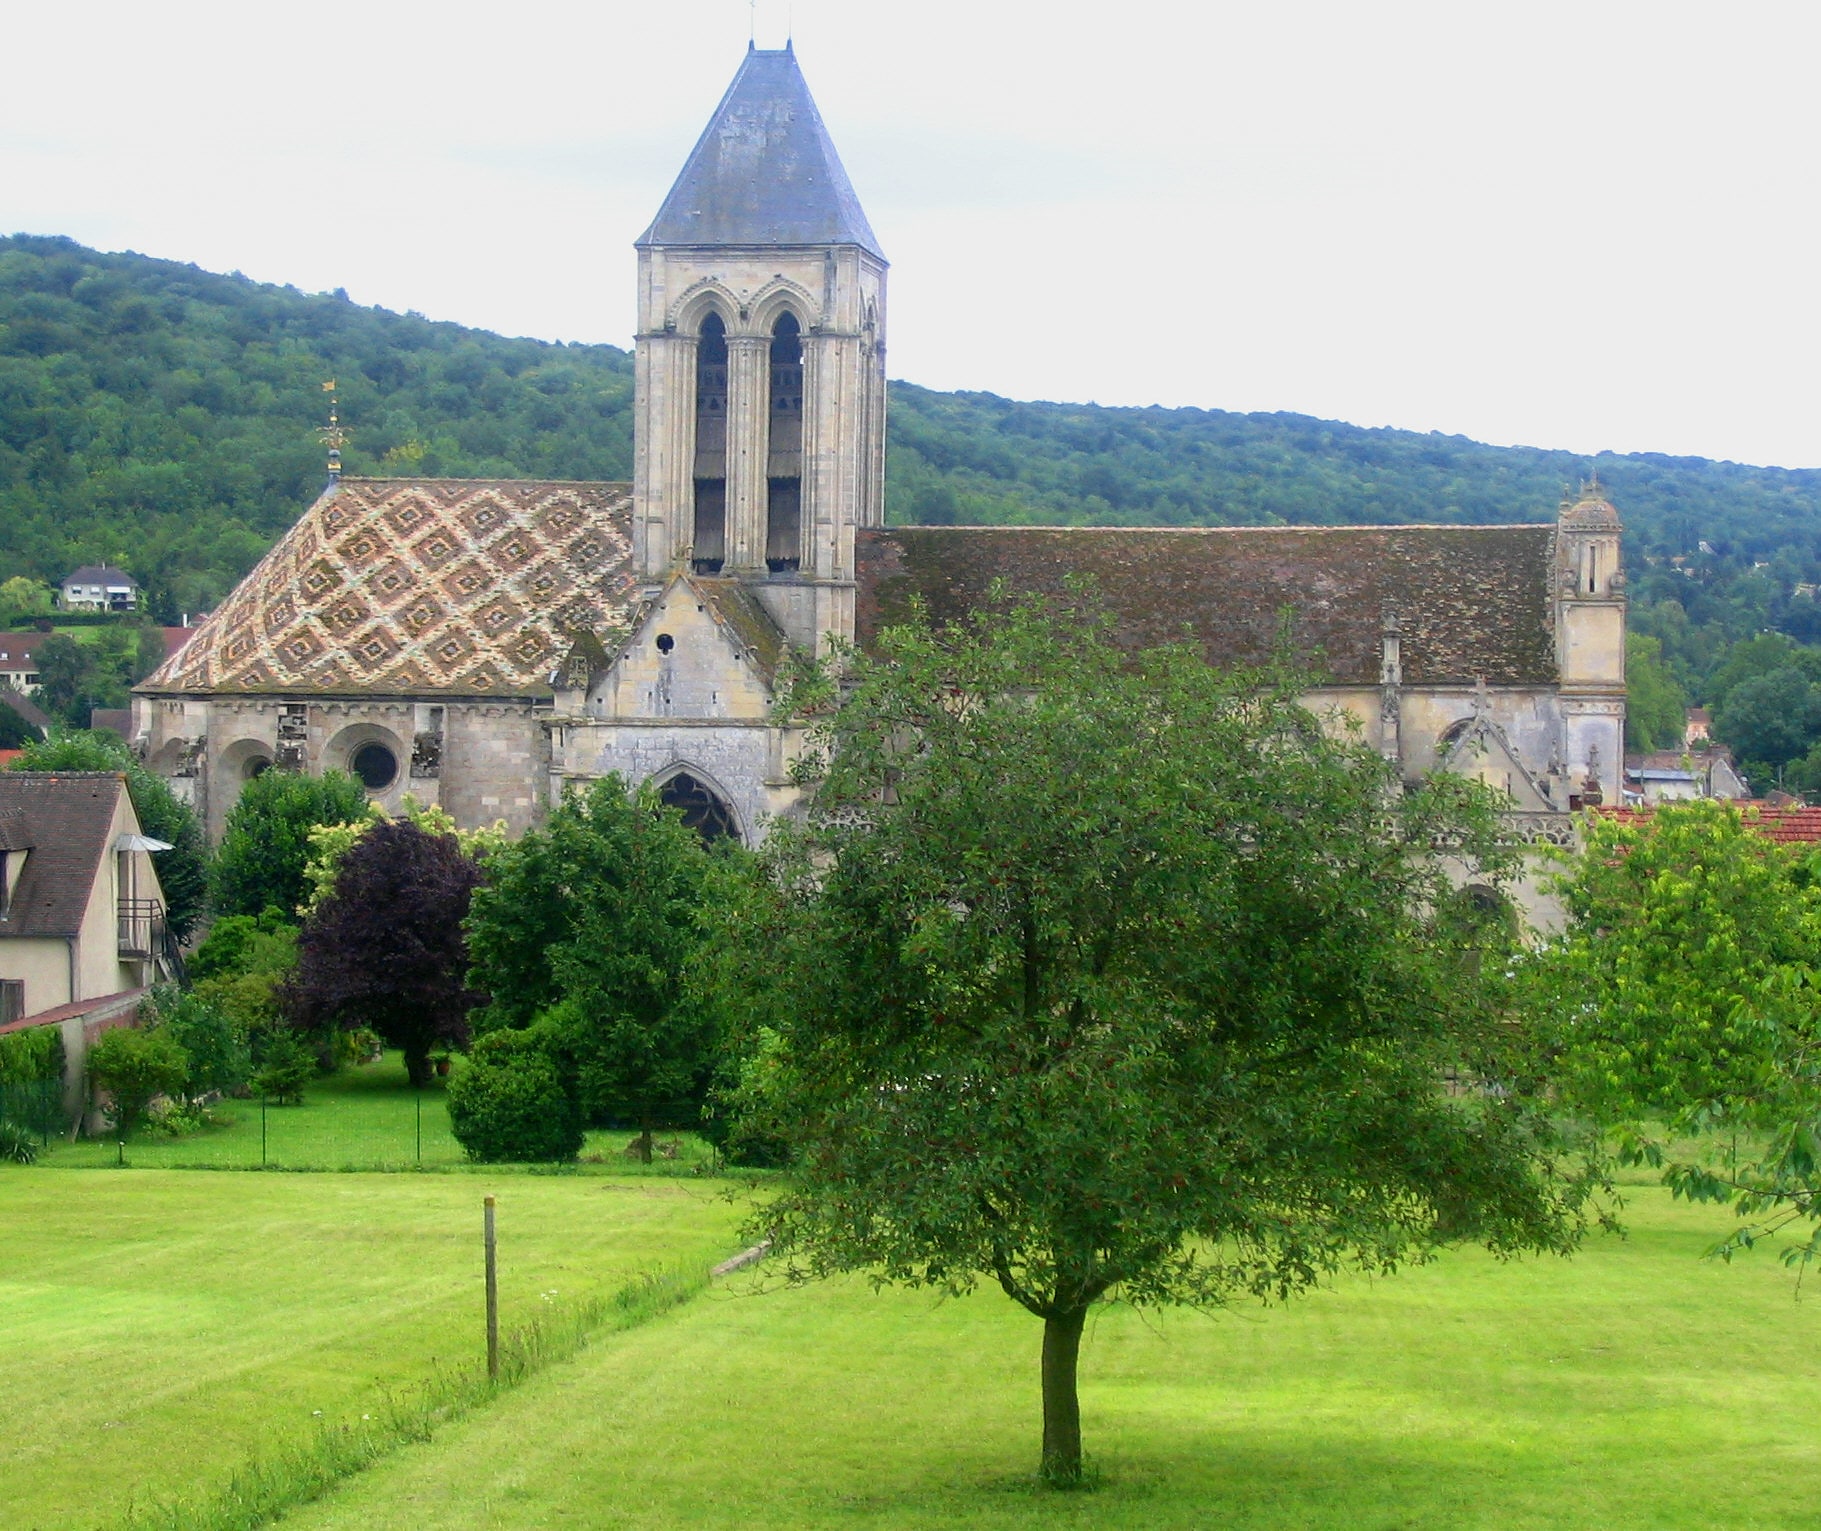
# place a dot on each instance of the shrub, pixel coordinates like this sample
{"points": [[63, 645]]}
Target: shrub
{"points": [[214, 1039], [135, 1067], [27, 1057], [287, 1067], [510, 1104], [17, 1145]]}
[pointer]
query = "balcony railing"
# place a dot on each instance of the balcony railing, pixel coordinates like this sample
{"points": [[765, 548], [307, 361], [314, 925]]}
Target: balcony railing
{"points": [[142, 928]]}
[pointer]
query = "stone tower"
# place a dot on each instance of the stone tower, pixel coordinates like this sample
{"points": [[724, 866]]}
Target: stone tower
{"points": [[1590, 643], [760, 395]]}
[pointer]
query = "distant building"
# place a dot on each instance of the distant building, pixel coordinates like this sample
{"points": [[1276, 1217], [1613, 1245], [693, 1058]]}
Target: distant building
{"points": [[18, 668], [1675, 776], [96, 587], [15, 700], [1697, 726], [81, 910]]}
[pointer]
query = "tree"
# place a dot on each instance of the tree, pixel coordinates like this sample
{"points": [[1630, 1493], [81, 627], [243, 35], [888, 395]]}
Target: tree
{"points": [[385, 949], [1655, 706], [265, 845], [15, 732], [63, 667], [135, 1067], [590, 923], [21, 598], [214, 1041], [183, 870], [1101, 975], [1772, 719], [1688, 985]]}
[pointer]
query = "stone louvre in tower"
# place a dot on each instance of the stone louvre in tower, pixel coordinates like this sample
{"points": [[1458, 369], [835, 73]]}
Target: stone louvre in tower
{"points": [[760, 392]]}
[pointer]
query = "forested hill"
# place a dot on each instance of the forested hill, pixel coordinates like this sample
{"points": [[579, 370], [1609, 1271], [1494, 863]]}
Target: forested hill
{"points": [[162, 417]]}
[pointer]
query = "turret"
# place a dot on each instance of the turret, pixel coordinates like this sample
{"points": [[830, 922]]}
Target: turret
{"points": [[1590, 638]]}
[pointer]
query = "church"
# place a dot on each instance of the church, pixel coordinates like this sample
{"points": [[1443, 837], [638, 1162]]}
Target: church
{"points": [[483, 644]]}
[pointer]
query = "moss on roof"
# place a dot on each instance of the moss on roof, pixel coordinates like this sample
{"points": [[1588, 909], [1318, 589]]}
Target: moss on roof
{"points": [[1471, 601]]}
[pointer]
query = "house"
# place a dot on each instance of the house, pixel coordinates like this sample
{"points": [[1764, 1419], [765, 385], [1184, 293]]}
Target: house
{"points": [[1671, 776], [82, 931], [81, 910], [97, 587], [483, 644], [18, 668]]}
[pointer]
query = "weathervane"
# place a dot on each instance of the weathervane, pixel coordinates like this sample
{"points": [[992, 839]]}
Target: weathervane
{"points": [[332, 435]]}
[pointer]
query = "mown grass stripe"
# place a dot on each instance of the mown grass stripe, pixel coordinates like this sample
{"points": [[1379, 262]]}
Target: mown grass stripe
{"points": [[306, 1469]]}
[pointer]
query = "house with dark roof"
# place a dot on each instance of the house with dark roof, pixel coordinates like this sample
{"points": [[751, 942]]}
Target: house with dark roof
{"points": [[483, 644], [98, 587], [81, 909]]}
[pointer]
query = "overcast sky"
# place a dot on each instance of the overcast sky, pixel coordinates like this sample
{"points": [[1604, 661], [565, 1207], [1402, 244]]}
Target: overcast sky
{"points": [[1586, 225]]}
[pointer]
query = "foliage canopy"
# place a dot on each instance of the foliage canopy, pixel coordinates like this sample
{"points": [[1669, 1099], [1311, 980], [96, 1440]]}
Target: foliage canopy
{"points": [[265, 848], [386, 949], [1096, 974], [1689, 990]]}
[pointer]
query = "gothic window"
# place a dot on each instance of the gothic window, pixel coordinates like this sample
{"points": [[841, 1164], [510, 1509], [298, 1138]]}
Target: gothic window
{"points": [[703, 810], [784, 470], [711, 447]]}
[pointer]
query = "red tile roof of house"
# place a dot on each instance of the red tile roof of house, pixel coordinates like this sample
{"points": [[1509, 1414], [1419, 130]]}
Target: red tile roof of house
{"points": [[1786, 826]]}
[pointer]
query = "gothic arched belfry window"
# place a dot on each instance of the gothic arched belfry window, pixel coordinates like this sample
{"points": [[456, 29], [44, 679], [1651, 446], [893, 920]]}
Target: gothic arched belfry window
{"points": [[711, 447], [784, 467]]}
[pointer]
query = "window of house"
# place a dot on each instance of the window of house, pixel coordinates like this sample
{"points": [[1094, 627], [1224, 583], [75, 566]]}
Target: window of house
{"points": [[12, 999]]}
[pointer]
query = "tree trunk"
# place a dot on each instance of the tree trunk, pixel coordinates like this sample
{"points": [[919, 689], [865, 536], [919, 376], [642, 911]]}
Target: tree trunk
{"points": [[417, 1067], [644, 1140], [1061, 1407]]}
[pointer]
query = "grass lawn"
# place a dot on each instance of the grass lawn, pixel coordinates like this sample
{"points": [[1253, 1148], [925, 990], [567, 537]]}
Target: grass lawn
{"points": [[1634, 1386], [156, 1329], [360, 1118]]}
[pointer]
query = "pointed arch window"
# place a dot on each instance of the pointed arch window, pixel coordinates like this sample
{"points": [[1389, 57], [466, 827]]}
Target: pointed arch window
{"points": [[784, 468], [702, 808], [711, 447]]}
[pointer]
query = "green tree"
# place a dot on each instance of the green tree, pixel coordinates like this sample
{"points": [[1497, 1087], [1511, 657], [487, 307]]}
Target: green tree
{"points": [[591, 923], [1771, 719], [213, 1041], [22, 598], [265, 845], [1656, 707], [183, 870], [15, 732], [135, 1067], [1098, 975], [63, 670], [1690, 1008]]}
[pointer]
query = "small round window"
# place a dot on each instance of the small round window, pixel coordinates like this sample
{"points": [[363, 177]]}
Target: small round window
{"points": [[666, 643], [375, 765]]}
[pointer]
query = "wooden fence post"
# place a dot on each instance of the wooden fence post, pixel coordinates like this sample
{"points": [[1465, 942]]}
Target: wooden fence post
{"points": [[493, 1297]]}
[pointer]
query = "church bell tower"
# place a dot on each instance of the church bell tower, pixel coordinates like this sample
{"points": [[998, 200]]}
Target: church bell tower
{"points": [[759, 401]]}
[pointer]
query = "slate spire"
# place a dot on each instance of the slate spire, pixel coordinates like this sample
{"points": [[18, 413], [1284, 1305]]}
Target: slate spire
{"points": [[765, 171]]}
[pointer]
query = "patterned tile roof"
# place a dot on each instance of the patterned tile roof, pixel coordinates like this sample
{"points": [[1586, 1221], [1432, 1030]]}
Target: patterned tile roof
{"points": [[1471, 601], [470, 587]]}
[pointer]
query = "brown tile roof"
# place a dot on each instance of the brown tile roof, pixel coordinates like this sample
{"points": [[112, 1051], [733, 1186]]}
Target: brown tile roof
{"points": [[1471, 601], [66, 816], [1786, 826], [408, 586]]}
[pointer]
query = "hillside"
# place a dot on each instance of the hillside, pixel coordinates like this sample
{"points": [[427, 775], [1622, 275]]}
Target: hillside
{"points": [[163, 417]]}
